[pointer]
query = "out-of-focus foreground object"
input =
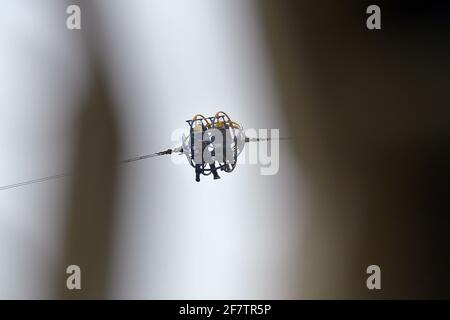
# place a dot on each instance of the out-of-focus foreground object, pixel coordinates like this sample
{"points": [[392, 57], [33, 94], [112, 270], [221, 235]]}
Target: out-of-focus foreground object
{"points": [[369, 112]]}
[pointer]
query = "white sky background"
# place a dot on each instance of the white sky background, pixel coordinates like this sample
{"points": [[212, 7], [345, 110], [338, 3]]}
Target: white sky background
{"points": [[232, 238]]}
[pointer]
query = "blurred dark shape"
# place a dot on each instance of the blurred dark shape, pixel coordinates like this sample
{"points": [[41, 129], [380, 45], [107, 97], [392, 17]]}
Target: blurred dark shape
{"points": [[92, 198], [91, 210], [370, 113]]}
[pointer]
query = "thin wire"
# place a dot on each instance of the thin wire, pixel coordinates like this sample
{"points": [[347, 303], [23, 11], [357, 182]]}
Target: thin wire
{"points": [[63, 175], [266, 139], [147, 156], [134, 159], [25, 183]]}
